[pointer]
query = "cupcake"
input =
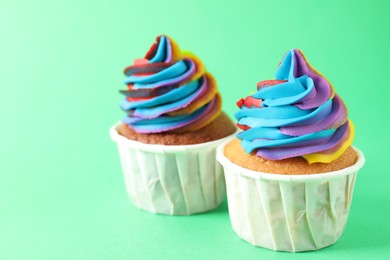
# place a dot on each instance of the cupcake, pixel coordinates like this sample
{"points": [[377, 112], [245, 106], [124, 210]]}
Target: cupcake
{"points": [[167, 141], [290, 173]]}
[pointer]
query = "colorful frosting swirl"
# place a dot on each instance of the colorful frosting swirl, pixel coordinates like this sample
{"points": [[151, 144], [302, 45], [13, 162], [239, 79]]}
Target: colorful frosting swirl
{"points": [[297, 114], [169, 90]]}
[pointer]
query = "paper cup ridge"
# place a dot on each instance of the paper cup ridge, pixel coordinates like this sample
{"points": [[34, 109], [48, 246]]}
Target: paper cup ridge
{"points": [[171, 179], [289, 212]]}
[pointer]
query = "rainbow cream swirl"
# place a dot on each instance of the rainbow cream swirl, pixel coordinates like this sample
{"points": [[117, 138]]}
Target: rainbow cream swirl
{"points": [[297, 114], [169, 90]]}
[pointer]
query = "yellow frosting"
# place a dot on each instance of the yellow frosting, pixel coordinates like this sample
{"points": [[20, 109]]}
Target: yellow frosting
{"points": [[327, 158]]}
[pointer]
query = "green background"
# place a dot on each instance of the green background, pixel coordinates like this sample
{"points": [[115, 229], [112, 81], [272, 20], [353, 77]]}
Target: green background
{"points": [[62, 195]]}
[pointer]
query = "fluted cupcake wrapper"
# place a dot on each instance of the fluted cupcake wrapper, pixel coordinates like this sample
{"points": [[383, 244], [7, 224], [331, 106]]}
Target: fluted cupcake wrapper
{"points": [[289, 212], [171, 179]]}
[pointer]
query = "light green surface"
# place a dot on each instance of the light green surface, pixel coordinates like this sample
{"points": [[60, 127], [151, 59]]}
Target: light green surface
{"points": [[62, 194]]}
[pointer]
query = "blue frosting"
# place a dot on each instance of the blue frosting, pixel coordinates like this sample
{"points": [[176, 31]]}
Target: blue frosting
{"points": [[296, 117], [183, 100]]}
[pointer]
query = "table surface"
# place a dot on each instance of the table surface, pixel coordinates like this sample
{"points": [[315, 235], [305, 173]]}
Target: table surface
{"points": [[62, 194]]}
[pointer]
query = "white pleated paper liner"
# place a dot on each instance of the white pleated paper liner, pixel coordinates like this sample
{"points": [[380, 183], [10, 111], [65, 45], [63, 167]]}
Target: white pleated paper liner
{"points": [[171, 179], [289, 212]]}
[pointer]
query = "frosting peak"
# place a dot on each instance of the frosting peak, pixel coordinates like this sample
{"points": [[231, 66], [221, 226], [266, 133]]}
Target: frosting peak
{"points": [[297, 114], [169, 90]]}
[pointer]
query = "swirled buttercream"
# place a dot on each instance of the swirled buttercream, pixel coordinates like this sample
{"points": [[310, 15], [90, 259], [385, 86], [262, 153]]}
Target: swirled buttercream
{"points": [[297, 114], [169, 90]]}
